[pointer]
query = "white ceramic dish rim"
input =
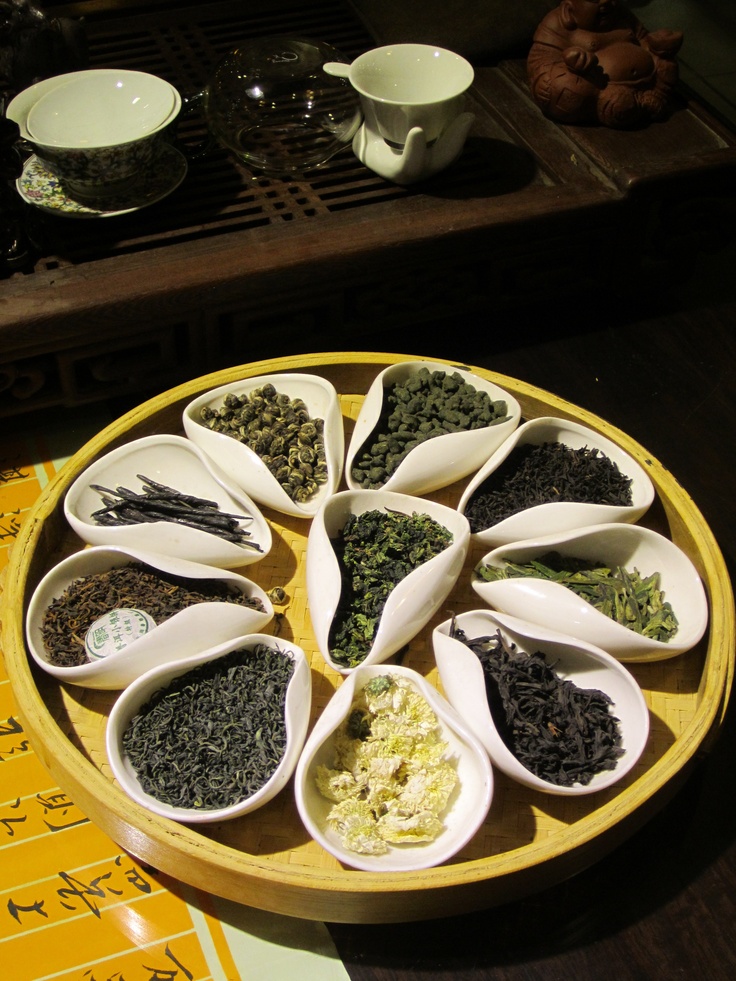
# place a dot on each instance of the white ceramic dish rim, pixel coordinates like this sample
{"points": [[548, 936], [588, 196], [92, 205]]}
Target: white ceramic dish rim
{"points": [[398, 858], [26, 111], [120, 668], [297, 710], [260, 483], [560, 516], [21, 104], [462, 452], [454, 659], [324, 578], [583, 620], [176, 540]]}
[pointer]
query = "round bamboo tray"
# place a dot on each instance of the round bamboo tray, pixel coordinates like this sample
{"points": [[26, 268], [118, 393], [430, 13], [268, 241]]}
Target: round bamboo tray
{"points": [[266, 860]]}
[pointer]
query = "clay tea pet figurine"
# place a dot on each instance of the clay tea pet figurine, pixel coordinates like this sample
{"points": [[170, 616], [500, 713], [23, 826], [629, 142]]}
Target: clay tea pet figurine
{"points": [[592, 61]]}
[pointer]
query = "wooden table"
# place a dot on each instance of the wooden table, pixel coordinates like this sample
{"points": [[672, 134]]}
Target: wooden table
{"points": [[234, 266]]}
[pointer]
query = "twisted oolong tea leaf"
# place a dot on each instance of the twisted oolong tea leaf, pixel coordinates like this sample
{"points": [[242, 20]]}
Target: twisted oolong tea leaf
{"points": [[137, 586], [426, 405], [560, 732], [158, 502], [215, 735], [391, 776], [623, 595], [279, 429], [375, 551], [545, 474]]}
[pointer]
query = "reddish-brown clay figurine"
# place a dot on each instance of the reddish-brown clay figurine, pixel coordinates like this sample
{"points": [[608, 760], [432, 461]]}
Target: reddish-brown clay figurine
{"points": [[592, 61]]}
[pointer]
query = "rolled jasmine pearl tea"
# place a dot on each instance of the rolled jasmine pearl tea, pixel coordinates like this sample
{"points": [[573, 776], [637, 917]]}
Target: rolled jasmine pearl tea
{"points": [[279, 430]]}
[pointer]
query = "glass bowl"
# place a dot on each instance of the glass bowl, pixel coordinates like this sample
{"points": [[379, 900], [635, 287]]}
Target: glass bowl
{"points": [[271, 104]]}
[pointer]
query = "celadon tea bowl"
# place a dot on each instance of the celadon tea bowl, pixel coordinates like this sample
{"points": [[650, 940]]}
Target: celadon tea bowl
{"points": [[102, 107], [556, 516], [97, 129], [258, 448], [557, 607], [426, 464], [186, 632], [178, 464], [412, 601], [204, 747], [584, 665], [466, 808]]}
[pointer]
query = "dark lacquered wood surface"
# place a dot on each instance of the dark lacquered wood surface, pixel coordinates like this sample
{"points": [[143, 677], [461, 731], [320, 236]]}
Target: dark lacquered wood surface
{"points": [[660, 363]]}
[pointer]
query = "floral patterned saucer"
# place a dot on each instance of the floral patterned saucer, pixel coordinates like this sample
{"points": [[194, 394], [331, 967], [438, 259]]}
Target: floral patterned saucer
{"points": [[40, 187]]}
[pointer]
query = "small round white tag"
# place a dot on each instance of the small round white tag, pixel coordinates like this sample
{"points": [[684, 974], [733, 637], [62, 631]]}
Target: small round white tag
{"points": [[115, 630]]}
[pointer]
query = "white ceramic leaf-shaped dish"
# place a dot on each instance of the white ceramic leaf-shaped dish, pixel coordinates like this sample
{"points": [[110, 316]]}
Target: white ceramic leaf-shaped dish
{"points": [[585, 665], [244, 466], [464, 814], [179, 464], [412, 602], [296, 709], [439, 461], [544, 519], [187, 632], [558, 608]]}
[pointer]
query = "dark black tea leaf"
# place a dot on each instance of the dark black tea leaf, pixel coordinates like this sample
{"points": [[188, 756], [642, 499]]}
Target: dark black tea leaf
{"points": [[561, 733], [545, 474], [215, 735]]}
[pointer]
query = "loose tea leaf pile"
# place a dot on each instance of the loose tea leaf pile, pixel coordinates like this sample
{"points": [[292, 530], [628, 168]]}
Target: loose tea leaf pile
{"points": [[560, 732], [133, 586], [545, 474], [623, 595], [391, 775], [215, 735], [375, 551], [158, 502], [279, 429], [426, 405]]}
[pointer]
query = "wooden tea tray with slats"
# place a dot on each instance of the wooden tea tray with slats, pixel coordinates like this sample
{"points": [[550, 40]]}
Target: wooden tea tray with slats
{"points": [[265, 859]]}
